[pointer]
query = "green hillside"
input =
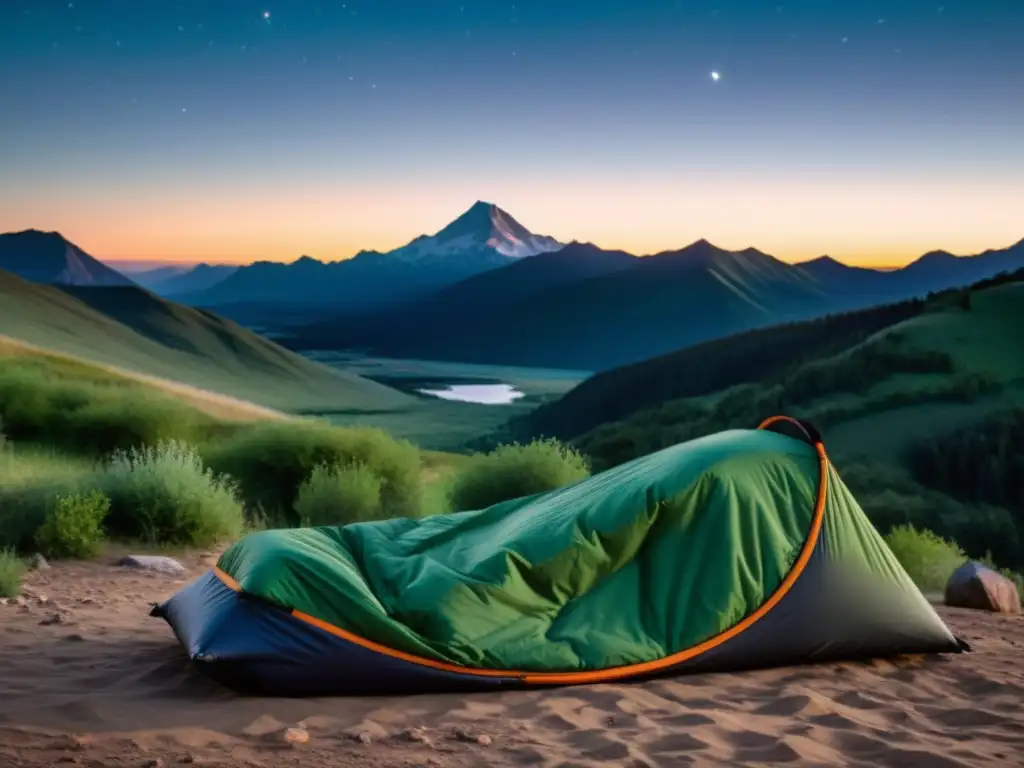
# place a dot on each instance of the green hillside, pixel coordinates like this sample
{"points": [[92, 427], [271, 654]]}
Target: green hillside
{"points": [[131, 329], [896, 407]]}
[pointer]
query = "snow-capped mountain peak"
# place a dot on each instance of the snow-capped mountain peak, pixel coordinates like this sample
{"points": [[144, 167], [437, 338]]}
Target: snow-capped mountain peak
{"points": [[484, 228]]}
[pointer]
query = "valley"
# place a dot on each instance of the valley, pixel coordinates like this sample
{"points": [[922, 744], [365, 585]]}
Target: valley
{"points": [[491, 336]]}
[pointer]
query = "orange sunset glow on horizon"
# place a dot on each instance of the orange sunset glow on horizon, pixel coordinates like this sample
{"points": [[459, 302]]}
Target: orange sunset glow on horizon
{"points": [[864, 224]]}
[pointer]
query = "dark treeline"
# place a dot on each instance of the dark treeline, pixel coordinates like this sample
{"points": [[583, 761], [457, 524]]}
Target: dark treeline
{"points": [[983, 463]]}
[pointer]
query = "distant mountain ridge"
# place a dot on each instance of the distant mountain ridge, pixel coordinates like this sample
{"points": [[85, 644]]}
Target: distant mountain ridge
{"points": [[549, 311], [169, 281], [485, 289], [46, 257], [483, 238]]}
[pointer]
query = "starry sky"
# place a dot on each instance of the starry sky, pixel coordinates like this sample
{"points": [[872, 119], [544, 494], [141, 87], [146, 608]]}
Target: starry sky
{"points": [[236, 130]]}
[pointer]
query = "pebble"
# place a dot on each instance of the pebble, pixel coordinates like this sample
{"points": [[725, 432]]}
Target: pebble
{"points": [[419, 735], [365, 737], [38, 563], [296, 736], [156, 563]]}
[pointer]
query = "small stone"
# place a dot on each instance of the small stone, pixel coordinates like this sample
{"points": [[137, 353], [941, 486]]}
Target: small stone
{"points": [[484, 740], [20, 601], [3, 601], [87, 600], [156, 762], [188, 760], [38, 563], [75, 638], [43, 599], [296, 736], [365, 737], [68, 759], [155, 563], [419, 735], [50, 620]]}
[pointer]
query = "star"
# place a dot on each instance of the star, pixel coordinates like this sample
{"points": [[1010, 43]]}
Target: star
{"points": [[845, 39], [716, 76], [183, 109], [266, 15]]}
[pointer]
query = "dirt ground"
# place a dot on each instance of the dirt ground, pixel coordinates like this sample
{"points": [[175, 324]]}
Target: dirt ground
{"points": [[88, 678]]}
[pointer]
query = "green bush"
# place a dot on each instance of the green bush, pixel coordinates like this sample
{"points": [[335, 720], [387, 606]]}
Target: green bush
{"points": [[514, 471], [338, 495], [12, 568], [272, 460], [74, 528], [166, 495], [928, 559], [30, 482]]}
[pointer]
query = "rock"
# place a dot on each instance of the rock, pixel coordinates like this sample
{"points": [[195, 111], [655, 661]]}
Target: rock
{"points": [[153, 563], [3, 601], [21, 602], [365, 737], [296, 736], [56, 618], [419, 735], [43, 599], [976, 586], [156, 762], [463, 735], [38, 563]]}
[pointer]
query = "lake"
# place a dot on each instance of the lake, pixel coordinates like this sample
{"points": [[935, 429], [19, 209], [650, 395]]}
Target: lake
{"points": [[484, 394]]}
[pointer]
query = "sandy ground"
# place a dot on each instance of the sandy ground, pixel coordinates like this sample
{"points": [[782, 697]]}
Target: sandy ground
{"points": [[87, 678]]}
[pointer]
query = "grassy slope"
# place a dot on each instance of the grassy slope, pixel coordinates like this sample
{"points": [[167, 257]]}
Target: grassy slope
{"points": [[138, 332], [983, 342], [872, 399], [702, 369]]}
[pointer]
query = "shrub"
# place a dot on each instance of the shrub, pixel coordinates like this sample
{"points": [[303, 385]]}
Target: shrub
{"points": [[69, 408], [928, 559], [338, 495], [514, 471], [11, 570], [74, 528], [30, 482], [166, 495], [272, 460]]}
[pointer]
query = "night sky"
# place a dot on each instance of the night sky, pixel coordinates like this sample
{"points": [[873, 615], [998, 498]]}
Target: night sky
{"points": [[233, 130]]}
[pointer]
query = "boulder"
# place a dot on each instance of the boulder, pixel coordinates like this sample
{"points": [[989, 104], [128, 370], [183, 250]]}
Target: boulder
{"points": [[976, 586], [153, 563]]}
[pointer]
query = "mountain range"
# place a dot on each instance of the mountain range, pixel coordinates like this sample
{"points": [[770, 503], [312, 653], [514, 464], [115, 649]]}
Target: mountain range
{"points": [[586, 308], [486, 289], [481, 239]]}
